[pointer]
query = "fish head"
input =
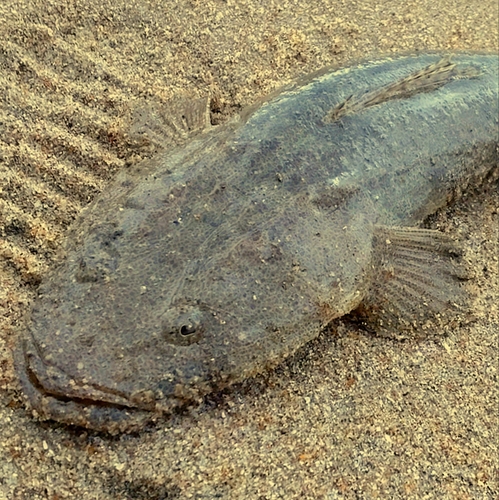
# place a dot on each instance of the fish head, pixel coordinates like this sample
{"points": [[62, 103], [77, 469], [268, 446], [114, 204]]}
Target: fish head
{"points": [[180, 292]]}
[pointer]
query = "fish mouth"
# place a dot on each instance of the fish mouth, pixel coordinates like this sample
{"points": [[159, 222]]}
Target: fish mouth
{"points": [[53, 395]]}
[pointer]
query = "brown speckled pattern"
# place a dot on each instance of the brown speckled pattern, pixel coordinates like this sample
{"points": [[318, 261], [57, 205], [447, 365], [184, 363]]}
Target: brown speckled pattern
{"points": [[351, 416]]}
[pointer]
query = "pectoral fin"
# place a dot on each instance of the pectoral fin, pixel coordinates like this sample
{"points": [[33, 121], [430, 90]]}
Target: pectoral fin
{"points": [[417, 283], [171, 123]]}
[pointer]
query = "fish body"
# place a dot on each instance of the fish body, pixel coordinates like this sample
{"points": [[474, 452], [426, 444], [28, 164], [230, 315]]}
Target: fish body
{"points": [[227, 254]]}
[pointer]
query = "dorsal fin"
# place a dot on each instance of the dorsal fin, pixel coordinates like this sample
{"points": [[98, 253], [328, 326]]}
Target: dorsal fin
{"points": [[427, 79]]}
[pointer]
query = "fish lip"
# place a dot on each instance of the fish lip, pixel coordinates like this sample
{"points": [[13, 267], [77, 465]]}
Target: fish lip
{"points": [[99, 415]]}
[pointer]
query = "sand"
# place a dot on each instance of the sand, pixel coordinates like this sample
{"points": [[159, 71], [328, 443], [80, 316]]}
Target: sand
{"points": [[350, 416]]}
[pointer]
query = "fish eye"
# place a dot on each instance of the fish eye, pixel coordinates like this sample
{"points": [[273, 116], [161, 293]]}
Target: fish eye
{"points": [[183, 325], [187, 330]]}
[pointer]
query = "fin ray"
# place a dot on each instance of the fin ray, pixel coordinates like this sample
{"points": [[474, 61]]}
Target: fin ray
{"points": [[416, 283], [171, 123], [425, 80]]}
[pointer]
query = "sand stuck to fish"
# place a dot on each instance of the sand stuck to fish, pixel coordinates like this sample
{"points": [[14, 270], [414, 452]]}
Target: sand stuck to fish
{"points": [[351, 415]]}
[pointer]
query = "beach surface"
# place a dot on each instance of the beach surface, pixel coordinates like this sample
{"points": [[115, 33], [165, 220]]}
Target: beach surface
{"points": [[351, 415]]}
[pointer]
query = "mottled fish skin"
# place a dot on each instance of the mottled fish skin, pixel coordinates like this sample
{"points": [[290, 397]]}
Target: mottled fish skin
{"points": [[226, 255]]}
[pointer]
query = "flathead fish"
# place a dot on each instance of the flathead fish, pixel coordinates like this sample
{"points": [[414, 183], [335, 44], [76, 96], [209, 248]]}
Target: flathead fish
{"points": [[223, 256]]}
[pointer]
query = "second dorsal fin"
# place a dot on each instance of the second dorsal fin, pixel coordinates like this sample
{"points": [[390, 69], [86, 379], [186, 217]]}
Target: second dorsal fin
{"points": [[427, 79]]}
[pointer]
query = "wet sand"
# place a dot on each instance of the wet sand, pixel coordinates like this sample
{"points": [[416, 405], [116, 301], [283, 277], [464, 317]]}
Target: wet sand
{"points": [[350, 415]]}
